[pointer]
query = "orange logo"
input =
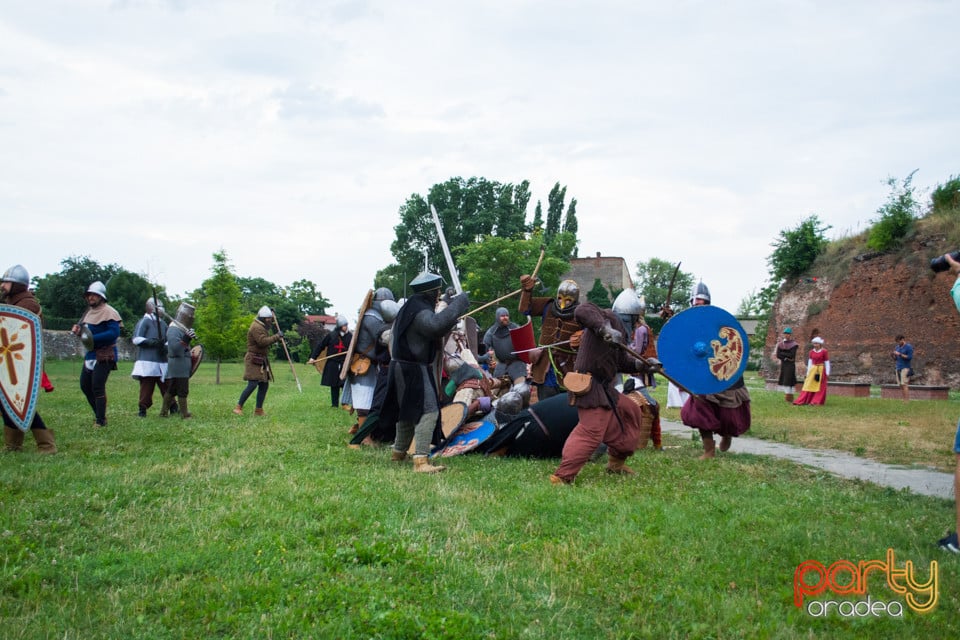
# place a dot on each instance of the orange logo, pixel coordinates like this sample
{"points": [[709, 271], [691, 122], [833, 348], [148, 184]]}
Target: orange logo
{"points": [[846, 578]]}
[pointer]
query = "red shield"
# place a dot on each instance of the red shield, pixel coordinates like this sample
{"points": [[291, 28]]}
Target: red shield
{"points": [[21, 353], [523, 341]]}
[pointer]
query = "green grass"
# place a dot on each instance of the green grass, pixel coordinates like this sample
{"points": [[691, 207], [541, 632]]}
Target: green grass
{"points": [[918, 433], [239, 527]]}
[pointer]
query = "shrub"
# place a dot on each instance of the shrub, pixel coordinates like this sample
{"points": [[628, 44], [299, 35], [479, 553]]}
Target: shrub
{"points": [[896, 216], [946, 196], [796, 249]]}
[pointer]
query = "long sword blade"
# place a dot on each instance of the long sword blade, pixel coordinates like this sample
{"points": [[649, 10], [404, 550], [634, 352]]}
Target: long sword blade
{"points": [[446, 251]]}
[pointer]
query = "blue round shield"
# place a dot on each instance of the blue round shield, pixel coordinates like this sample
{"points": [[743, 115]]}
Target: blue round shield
{"points": [[468, 437], [703, 348]]}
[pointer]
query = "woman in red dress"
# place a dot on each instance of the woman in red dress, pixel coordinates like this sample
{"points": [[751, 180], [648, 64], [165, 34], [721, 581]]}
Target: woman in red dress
{"points": [[818, 372]]}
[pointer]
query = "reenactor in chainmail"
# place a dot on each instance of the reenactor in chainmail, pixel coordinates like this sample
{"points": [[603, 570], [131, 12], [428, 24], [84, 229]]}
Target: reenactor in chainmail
{"points": [[412, 393]]}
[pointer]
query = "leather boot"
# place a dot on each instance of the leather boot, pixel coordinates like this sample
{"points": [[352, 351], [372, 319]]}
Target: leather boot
{"points": [[398, 456], [258, 412], [788, 397], [618, 466], [421, 464], [709, 448], [45, 442], [184, 412], [238, 410], [357, 425], [165, 407], [12, 439], [725, 443]]}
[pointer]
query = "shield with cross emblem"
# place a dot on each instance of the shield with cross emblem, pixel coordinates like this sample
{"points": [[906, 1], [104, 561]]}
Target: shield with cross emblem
{"points": [[21, 355]]}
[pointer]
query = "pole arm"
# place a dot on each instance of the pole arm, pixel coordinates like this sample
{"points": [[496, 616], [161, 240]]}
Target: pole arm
{"points": [[648, 363], [276, 323]]}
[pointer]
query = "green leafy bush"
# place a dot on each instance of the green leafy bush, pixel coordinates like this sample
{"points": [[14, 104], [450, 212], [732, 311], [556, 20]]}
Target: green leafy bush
{"points": [[796, 249], [946, 196], [897, 216]]}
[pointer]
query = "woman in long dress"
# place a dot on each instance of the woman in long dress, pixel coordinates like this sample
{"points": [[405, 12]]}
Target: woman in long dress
{"points": [[818, 373]]}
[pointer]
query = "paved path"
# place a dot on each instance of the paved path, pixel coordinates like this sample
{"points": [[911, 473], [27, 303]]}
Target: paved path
{"points": [[922, 481]]}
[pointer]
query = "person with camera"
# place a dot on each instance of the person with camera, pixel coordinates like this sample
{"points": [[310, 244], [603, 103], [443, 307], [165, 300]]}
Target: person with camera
{"points": [[950, 542], [903, 354], [818, 373]]}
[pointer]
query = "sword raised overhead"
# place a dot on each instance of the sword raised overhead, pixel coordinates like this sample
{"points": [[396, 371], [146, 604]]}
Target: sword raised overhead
{"points": [[446, 251]]}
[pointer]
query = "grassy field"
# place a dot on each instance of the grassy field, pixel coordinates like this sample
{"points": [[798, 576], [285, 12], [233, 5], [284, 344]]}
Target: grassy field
{"points": [[916, 433], [244, 527]]}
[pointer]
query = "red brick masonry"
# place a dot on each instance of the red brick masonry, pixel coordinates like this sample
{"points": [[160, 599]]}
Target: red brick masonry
{"points": [[918, 392]]}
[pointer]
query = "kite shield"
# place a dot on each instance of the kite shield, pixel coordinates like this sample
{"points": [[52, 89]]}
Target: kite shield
{"points": [[523, 341], [704, 348], [21, 355]]}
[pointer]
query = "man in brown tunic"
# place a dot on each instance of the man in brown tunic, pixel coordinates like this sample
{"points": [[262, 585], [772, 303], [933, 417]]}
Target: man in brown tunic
{"points": [[16, 293], [256, 364], [605, 415]]}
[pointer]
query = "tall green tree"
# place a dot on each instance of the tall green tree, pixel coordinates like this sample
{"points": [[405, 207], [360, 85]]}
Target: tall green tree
{"points": [[128, 292], [570, 220], [307, 299], [61, 294], [555, 210], [654, 278], [599, 295], [795, 249], [469, 210], [220, 324], [492, 268], [537, 224]]}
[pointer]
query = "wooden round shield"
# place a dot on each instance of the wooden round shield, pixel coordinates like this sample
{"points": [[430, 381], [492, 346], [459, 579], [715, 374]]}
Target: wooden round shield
{"points": [[523, 340], [467, 438], [704, 348], [452, 416], [196, 357]]}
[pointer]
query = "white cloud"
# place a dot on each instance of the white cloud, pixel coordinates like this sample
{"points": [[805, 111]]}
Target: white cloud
{"points": [[151, 134]]}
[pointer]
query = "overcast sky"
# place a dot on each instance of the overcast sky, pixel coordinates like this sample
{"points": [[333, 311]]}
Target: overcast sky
{"points": [[153, 133]]}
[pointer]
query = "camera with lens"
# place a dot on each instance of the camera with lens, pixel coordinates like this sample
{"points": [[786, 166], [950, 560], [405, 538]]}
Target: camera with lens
{"points": [[940, 263]]}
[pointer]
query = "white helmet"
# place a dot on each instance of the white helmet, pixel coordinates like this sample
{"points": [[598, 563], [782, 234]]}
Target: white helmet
{"points": [[98, 288], [265, 312], [17, 274]]}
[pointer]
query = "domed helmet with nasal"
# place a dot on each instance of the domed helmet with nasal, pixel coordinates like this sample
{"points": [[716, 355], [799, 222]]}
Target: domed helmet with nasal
{"points": [[629, 307], [701, 295], [568, 295]]}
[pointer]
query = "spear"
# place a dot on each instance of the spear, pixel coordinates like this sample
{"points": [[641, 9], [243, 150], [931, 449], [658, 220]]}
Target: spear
{"points": [[284, 343], [543, 250]]}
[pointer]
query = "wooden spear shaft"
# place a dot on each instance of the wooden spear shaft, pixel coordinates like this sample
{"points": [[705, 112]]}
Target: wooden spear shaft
{"points": [[276, 323], [512, 293]]}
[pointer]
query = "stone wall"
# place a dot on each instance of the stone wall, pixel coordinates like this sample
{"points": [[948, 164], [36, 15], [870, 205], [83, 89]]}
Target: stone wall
{"points": [[60, 345], [859, 317]]}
